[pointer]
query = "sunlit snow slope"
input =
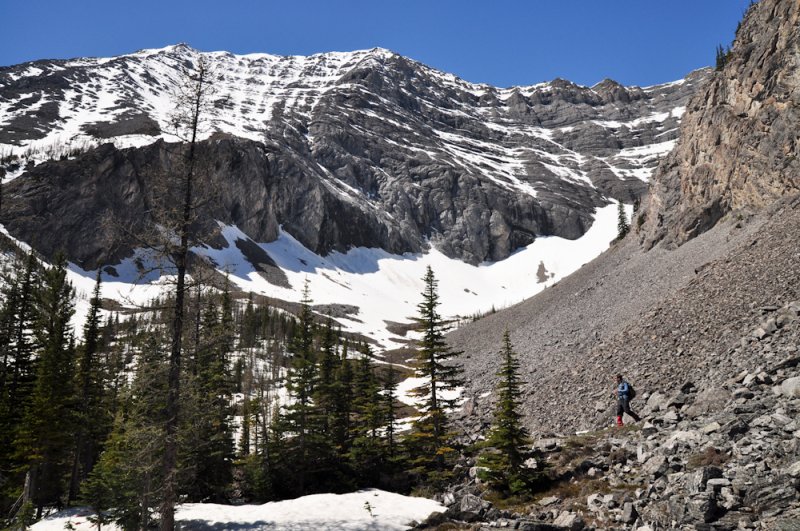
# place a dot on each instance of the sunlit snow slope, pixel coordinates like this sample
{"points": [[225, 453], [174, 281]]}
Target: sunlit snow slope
{"points": [[383, 288]]}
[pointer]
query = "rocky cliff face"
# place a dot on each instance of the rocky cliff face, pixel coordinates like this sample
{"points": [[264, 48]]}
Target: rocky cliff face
{"points": [[97, 206], [739, 137], [343, 149]]}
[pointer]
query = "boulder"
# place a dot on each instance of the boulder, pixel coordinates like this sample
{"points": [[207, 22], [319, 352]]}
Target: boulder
{"points": [[717, 483], [768, 495], [595, 502], [629, 513], [698, 480], [789, 388], [703, 507], [656, 402], [735, 427], [708, 401], [670, 417], [656, 466], [793, 469], [569, 520], [549, 500], [473, 507]]}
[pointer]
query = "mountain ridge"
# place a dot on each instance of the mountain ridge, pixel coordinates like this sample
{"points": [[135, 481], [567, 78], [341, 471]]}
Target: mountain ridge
{"points": [[373, 127]]}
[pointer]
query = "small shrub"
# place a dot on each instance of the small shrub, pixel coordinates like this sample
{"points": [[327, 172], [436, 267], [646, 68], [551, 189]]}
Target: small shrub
{"points": [[709, 457], [619, 456]]}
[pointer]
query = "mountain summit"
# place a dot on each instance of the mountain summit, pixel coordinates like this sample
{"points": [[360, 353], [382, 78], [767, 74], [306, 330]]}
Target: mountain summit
{"points": [[416, 155]]}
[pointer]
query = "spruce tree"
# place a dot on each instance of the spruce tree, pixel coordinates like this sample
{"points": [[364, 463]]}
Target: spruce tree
{"points": [[441, 375], [301, 380], [508, 437], [340, 426], [623, 227], [18, 375], [46, 433], [93, 420], [328, 362], [10, 408], [209, 437], [10, 298], [128, 478], [390, 410], [367, 450], [250, 326], [721, 57], [192, 101]]}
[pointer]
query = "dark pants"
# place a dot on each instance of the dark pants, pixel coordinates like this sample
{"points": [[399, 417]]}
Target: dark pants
{"points": [[623, 406]]}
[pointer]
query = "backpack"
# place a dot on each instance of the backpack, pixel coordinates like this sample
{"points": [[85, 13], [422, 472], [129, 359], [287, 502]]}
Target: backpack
{"points": [[631, 392]]}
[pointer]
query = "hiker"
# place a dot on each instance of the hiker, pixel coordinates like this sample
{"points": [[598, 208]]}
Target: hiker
{"points": [[624, 395]]}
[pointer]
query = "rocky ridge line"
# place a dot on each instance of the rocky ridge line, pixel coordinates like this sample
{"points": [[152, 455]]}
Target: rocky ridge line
{"points": [[419, 156]]}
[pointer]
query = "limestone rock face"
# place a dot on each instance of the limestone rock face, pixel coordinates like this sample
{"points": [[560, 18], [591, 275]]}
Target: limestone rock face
{"points": [[739, 142], [96, 206]]}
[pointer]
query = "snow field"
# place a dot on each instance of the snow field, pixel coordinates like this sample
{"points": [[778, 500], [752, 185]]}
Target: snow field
{"points": [[365, 510], [387, 287]]}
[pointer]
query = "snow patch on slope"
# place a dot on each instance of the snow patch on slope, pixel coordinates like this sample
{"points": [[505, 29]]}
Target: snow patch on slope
{"points": [[386, 287]]}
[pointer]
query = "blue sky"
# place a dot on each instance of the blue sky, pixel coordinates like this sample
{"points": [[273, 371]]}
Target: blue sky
{"points": [[502, 42]]}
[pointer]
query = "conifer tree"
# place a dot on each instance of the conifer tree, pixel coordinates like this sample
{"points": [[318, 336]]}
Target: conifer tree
{"points": [[301, 380], [721, 57], [10, 298], [18, 355], [326, 386], [623, 227], [128, 478], [390, 409], [340, 428], [244, 446], [508, 436], [193, 99], [210, 438], [250, 325], [278, 457], [93, 421], [10, 408], [435, 365], [367, 450], [45, 433]]}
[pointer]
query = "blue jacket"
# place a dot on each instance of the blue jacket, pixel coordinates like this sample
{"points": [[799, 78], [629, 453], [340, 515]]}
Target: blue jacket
{"points": [[623, 389]]}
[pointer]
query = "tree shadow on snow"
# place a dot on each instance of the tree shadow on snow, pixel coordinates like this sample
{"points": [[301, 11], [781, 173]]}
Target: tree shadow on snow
{"points": [[316, 525]]}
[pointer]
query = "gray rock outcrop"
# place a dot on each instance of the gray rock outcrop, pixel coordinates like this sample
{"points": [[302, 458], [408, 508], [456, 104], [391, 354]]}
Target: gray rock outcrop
{"points": [[739, 144]]}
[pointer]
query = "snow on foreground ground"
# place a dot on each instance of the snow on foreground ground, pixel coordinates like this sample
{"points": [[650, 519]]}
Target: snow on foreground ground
{"points": [[366, 510]]}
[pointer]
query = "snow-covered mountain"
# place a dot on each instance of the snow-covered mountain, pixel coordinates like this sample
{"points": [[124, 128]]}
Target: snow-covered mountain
{"points": [[354, 170]]}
